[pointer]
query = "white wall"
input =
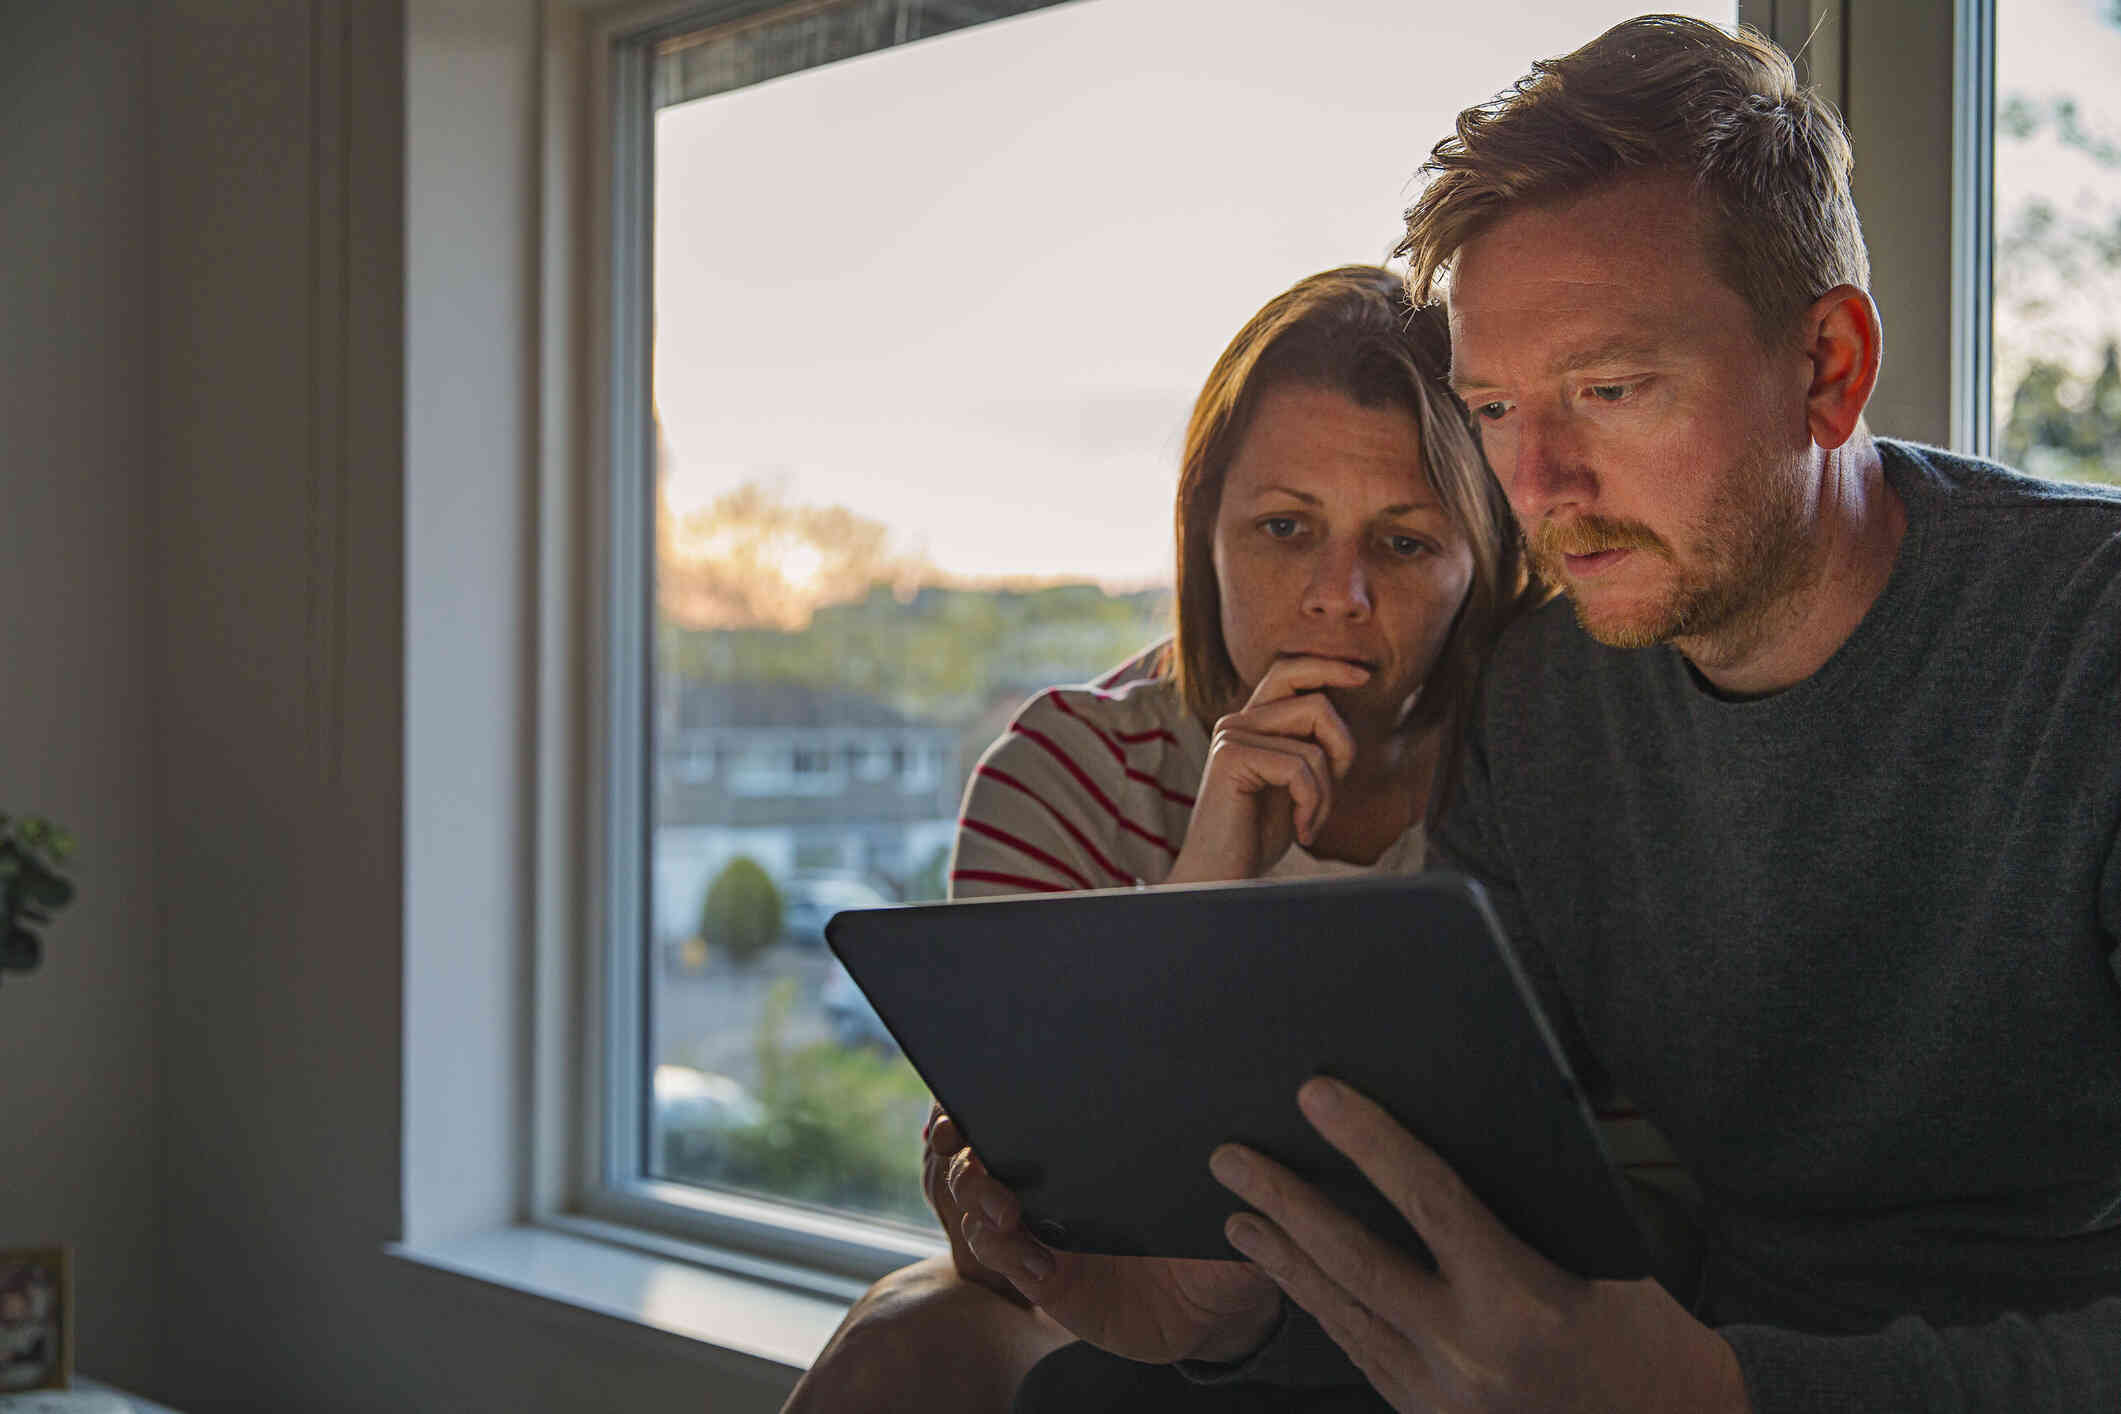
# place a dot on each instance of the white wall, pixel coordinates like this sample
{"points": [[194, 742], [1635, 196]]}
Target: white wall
{"points": [[77, 1038], [343, 774]]}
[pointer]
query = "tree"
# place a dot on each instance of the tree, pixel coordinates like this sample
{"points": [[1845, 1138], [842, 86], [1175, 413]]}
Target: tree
{"points": [[2056, 430], [743, 909], [751, 559]]}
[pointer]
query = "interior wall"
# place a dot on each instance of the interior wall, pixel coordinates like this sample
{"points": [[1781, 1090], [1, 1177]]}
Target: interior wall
{"points": [[77, 1037], [346, 359]]}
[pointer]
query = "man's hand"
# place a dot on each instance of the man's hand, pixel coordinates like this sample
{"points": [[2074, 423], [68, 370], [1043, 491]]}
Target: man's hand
{"points": [[1496, 1327], [1143, 1308], [1272, 767]]}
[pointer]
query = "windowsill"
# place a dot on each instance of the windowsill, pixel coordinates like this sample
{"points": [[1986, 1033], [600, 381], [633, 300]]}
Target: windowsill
{"points": [[749, 1315]]}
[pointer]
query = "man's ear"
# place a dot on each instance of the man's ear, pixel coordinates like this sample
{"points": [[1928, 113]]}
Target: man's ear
{"points": [[1845, 341]]}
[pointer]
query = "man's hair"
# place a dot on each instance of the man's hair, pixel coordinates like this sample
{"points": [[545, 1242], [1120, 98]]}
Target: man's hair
{"points": [[1662, 93], [1351, 331]]}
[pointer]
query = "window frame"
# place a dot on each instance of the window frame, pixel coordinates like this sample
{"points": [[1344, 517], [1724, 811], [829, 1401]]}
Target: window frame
{"points": [[789, 1244], [594, 698]]}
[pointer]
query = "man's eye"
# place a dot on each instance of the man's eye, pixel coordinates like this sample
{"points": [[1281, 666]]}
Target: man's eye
{"points": [[1280, 527], [1609, 392]]}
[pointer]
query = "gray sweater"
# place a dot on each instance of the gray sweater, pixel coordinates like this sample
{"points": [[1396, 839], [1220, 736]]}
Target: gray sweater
{"points": [[1852, 949]]}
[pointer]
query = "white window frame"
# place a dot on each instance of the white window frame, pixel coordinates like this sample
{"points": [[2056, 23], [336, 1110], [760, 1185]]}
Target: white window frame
{"points": [[1927, 226]]}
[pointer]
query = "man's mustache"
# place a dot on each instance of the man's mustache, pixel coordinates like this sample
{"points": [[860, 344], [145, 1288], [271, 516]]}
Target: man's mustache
{"points": [[1589, 534]]}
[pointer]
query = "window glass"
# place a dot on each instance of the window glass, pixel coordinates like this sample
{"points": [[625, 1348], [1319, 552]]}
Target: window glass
{"points": [[928, 325], [2057, 308]]}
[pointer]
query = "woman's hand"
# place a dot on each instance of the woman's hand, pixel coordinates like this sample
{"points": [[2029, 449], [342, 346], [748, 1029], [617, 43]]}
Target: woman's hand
{"points": [[940, 1144], [1272, 768], [1150, 1309]]}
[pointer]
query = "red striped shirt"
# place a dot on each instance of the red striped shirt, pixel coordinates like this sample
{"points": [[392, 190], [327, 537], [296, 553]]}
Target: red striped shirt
{"points": [[1082, 777], [1023, 846], [1017, 881], [1060, 817]]}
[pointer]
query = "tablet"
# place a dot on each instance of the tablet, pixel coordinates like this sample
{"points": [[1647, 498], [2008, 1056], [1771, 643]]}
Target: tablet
{"points": [[1095, 1047]]}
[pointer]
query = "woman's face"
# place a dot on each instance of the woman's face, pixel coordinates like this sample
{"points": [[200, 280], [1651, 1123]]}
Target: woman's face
{"points": [[1330, 543]]}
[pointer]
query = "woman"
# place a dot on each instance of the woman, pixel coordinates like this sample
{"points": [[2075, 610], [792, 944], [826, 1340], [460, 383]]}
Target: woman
{"points": [[1344, 563]]}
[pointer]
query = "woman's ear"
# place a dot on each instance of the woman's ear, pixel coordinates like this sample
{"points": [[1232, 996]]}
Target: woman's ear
{"points": [[1845, 341]]}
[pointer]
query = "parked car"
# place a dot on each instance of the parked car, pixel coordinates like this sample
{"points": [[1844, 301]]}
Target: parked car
{"points": [[808, 900], [693, 1109], [853, 1021]]}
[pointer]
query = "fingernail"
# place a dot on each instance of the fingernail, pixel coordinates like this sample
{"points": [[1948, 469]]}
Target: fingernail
{"points": [[1228, 1165], [1038, 1264], [1242, 1229], [1320, 1096]]}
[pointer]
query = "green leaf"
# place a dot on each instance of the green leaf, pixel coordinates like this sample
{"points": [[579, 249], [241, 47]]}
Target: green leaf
{"points": [[48, 889]]}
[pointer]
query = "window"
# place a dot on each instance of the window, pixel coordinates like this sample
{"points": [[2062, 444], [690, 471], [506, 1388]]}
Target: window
{"points": [[2056, 313], [910, 302]]}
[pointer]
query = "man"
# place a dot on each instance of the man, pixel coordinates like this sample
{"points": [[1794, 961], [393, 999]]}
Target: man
{"points": [[1801, 806]]}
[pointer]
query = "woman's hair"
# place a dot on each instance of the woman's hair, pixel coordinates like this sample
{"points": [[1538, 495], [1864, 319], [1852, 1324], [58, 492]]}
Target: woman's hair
{"points": [[1351, 331], [1662, 93]]}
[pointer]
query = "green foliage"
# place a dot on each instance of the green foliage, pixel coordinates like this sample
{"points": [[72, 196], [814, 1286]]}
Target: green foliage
{"points": [[841, 1127], [743, 909], [2063, 427], [31, 887], [940, 656]]}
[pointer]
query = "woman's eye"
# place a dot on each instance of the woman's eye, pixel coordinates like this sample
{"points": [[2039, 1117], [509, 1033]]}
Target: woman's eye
{"points": [[1280, 527], [1405, 546], [1490, 412]]}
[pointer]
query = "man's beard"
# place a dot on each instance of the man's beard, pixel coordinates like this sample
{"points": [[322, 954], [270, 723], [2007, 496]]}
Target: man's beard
{"points": [[1748, 553]]}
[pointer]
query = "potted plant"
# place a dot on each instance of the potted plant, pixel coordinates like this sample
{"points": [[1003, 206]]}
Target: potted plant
{"points": [[31, 887]]}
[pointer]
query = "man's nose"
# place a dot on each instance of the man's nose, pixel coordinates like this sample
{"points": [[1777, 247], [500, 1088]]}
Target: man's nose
{"points": [[1543, 467], [1340, 586]]}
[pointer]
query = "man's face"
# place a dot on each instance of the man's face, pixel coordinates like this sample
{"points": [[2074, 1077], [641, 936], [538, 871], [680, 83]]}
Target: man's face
{"points": [[1655, 450]]}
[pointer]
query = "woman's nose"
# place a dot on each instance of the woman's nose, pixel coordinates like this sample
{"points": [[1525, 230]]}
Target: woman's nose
{"points": [[1339, 588]]}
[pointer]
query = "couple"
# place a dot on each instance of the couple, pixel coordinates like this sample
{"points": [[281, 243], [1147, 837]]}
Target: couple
{"points": [[1801, 806]]}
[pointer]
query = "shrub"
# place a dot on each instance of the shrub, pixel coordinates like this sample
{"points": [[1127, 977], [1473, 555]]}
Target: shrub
{"points": [[840, 1128], [743, 909]]}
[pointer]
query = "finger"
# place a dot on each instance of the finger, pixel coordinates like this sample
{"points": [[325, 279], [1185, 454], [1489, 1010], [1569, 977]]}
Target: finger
{"points": [[1389, 1358], [1016, 1255], [1458, 1228], [943, 1137], [1285, 677], [978, 1194], [1286, 763], [1307, 715], [935, 1183], [1369, 1270]]}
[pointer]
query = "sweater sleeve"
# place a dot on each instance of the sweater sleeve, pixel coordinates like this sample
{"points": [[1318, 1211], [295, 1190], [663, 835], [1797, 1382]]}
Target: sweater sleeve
{"points": [[2065, 1363]]}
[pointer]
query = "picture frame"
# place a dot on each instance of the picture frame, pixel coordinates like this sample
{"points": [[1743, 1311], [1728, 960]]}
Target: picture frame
{"points": [[36, 1319]]}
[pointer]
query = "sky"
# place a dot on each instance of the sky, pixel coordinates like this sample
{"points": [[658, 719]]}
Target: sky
{"points": [[2048, 49], [969, 287]]}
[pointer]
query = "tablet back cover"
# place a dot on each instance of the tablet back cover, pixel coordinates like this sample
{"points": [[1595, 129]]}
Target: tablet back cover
{"points": [[1094, 1048]]}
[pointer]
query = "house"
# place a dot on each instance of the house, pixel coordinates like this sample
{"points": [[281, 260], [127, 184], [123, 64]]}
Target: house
{"points": [[798, 778]]}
